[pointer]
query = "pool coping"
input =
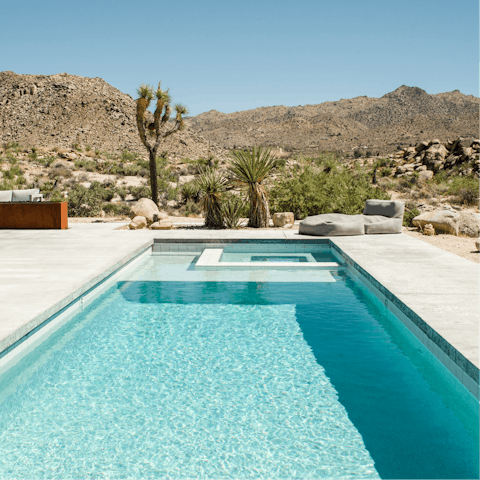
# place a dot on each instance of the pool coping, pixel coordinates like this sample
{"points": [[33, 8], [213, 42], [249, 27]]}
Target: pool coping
{"points": [[458, 363]]}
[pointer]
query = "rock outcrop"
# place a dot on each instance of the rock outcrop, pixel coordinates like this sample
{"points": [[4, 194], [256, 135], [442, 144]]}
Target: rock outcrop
{"points": [[432, 157]]}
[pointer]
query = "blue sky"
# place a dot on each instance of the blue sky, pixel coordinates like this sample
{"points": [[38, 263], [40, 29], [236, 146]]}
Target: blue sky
{"points": [[237, 55]]}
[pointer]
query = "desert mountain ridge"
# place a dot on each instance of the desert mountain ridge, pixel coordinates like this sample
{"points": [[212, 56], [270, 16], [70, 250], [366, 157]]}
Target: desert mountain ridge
{"points": [[63, 109], [400, 118]]}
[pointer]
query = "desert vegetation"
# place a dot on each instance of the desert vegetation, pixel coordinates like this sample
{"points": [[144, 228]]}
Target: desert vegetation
{"points": [[107, 184]]}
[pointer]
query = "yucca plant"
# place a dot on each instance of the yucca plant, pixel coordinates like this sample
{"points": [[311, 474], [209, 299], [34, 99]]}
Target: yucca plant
{"points": [[249, 169], [231, 210], [159, 128], [212, 185], [190, 191]]}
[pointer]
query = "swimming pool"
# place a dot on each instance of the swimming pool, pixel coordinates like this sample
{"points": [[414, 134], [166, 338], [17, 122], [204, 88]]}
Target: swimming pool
{"points": [[178, 372]]}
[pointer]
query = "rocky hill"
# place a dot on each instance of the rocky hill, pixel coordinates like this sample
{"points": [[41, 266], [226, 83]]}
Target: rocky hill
{"points": [[62, 110], [401, 118]]}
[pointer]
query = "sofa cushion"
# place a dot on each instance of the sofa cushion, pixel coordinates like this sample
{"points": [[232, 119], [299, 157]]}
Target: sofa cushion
{"points": [[381, 224], [6, 195], [24, 195], [386, 208], [332, 224]]}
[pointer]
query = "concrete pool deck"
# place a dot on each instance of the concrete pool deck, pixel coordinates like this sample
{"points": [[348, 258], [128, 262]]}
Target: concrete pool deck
{"points": [[42, 271]]}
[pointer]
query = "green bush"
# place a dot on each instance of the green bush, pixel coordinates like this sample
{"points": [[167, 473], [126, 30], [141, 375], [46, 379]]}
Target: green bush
{"points": [[117, 209], [311, 191], [14, 171], [55, 196], [47, 161], [190, 192], [411, 211], [468, 196], [128, 156], [192, 208], [140, 192], [84, 202]]}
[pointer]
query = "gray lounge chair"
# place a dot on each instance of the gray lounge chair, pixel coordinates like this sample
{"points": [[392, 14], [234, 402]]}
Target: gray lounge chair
{"points": [[379, 216]]}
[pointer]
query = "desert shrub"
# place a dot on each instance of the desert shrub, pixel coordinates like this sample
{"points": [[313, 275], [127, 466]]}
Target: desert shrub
{"points": [[14, 171], [55, 196], [190, 192], [140, 192], [46, 161], [60, 171], [411, 211], [192, 208], [105, 192], [128, 156], [309, 192], [122, 192], [117, 209], [88, 165], [198, 165], [385, 172], [88, 148], [84, 202], [468, 196], [357, 154], [456, 184], [12, 159], [33, 155]]}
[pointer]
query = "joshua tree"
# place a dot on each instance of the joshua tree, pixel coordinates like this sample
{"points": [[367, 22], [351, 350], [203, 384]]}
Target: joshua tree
{"points": [[159, 129], [250, 169], [212, 185]]}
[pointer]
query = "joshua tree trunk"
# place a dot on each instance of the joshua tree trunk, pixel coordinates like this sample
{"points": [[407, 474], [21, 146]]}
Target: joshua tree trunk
{"points": [[152, 154]]}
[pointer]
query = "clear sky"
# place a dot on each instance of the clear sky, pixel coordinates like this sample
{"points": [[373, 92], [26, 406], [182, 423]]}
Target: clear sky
{"points": [[237, 55]]}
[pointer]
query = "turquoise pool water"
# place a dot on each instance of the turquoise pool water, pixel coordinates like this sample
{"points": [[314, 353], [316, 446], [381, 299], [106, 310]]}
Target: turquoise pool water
{"points": [[175, 373]]}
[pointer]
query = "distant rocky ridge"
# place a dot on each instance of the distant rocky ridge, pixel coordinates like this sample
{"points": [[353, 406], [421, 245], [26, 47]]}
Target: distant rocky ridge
{"points": [[401, 118], [61, 110]]}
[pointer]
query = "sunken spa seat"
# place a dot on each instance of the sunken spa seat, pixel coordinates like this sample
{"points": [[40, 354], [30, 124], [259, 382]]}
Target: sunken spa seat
{"points": [[379, 216]]}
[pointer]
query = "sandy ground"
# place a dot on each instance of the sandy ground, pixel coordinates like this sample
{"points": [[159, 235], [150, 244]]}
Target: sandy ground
{"points": [[461, 246]]}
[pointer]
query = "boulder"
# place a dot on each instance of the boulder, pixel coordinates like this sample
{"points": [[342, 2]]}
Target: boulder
{"points": [[146, 208], [138, 223], [469, 224], [436, 152], [421, 146], [282, 219], [425, 175], [444, 221], [162, 225], [428, 229]]}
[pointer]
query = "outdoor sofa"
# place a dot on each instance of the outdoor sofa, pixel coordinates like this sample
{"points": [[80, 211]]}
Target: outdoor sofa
{"points": [[379, 216], [31, 195]]}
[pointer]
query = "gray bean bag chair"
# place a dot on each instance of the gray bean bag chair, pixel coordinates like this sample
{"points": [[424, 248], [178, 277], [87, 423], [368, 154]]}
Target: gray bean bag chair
{"points": [[379, 216]]}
